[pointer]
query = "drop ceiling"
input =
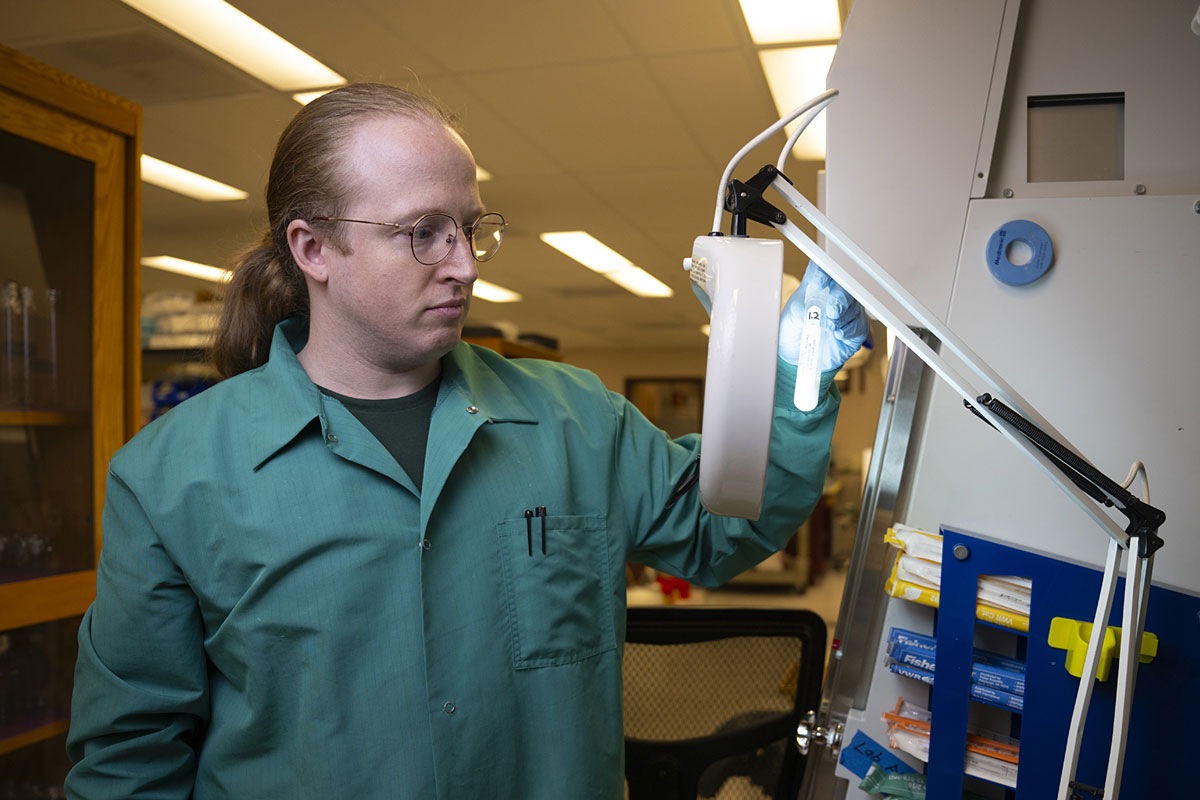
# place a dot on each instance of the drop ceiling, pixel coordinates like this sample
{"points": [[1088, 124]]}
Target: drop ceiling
{"points": [[613, 116]]}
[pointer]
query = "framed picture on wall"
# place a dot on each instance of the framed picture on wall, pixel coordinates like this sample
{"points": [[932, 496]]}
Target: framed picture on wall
{"points": [[673, 404]]}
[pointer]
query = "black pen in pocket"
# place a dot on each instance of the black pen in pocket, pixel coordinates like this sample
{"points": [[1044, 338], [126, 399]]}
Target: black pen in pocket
{"points": [[541, 512]]}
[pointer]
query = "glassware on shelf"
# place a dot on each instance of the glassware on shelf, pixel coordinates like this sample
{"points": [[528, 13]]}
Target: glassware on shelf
{"points": [[52, 397], [27, 308], [29, 348], [10, 309]]}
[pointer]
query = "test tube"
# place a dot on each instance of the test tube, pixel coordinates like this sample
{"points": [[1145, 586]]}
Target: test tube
{"points": [[52, 306], [9, 307], [27, 325], [808, 373]]}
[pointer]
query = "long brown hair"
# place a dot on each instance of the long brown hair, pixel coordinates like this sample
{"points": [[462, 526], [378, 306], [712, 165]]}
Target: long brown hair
{"points": [[306, 180]]}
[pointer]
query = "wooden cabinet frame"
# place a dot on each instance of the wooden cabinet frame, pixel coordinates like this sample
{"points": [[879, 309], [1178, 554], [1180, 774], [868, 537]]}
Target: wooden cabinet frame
{"points": [[63, 113]]}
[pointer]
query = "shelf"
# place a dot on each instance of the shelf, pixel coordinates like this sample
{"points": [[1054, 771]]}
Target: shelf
{"points": [[191, 353], [46, 599], [32, 730], [41, 418]]}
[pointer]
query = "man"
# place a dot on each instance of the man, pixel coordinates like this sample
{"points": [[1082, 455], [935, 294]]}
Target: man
{"points": [[377, 561]]}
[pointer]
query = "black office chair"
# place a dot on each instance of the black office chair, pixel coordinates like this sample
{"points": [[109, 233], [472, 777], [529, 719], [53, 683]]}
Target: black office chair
{"points": [[713, 697]]}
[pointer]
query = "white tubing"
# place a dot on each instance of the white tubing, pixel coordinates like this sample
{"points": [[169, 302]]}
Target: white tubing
{"points": [[1133, 623], [795, 137], [1087, 681], [823, 99]]}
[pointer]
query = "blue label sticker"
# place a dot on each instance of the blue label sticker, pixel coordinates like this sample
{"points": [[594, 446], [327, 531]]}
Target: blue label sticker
{"points": [[1036, 240], [863, 752]]}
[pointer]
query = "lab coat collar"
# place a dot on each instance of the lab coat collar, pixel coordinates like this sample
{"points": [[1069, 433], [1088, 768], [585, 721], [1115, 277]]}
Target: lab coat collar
{"points": [[291, 401], [466, 372]]}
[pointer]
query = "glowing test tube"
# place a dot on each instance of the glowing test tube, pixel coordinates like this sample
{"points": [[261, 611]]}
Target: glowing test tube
{"points": [[808, 370]]}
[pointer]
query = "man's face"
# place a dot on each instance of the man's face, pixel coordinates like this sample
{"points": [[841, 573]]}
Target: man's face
{"points": [[389, 309]]}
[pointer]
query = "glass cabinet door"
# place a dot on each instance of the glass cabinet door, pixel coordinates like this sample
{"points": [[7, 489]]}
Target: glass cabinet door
{"points": [[68, 198], [46, 213]]}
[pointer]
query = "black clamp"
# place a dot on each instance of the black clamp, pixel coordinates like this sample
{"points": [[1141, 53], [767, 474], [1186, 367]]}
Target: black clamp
{"points": [[745, 201], [1144, 519]]}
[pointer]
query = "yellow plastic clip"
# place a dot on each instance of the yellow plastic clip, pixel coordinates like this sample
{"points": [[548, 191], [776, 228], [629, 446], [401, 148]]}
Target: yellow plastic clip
{"points": [[1072, 635]]}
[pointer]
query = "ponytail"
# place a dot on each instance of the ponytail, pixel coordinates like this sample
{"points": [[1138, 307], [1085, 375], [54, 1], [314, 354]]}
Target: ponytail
{"points": [[263, 291]]}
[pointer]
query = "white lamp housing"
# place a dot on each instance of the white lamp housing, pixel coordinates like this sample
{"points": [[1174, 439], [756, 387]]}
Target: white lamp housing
{"points": [[742, 277]]}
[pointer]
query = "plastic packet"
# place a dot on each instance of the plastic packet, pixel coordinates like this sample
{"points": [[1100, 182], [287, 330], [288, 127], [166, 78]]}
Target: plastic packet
{"points": [[901, 785]]}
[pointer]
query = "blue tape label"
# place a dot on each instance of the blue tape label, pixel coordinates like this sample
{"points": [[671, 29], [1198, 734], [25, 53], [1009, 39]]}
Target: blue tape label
{"points": [[1041, 252], [863, 752]]}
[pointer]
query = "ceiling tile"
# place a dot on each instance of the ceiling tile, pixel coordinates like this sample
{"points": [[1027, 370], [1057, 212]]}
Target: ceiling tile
{"points": [[146, 65], [469, 37], [351, 37], [586, 116], [721, 95], [657, 28], [29, 24]]}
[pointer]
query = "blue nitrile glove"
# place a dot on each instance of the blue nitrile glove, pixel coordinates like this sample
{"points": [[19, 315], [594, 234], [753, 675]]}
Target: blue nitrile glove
{"points": [[845, 323]]}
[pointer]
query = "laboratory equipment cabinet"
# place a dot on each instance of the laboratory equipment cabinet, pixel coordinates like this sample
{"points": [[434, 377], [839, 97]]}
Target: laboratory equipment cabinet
{"points": [[1030, 175], [69, 211]]}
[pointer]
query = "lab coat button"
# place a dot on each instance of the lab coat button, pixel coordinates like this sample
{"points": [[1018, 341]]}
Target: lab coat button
{"points": [[472, 410], [448, 708], [331, 438], [425, 544]]}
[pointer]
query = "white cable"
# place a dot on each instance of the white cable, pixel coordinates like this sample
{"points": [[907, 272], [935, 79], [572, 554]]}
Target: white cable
{"points": [[1133, 624], [1136, 585], [824, 97], [795, 137], [1091, 664], [1133, 472]]}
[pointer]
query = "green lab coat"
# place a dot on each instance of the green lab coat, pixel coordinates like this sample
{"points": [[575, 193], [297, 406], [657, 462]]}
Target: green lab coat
{"points": [[279, 614]]}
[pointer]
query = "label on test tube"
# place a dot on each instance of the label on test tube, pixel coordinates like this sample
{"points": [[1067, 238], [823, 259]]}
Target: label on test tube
{"points": [[808, 374]]}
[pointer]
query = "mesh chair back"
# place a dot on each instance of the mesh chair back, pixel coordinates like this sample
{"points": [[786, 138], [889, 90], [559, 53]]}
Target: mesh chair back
{"points": [[713, 698]]}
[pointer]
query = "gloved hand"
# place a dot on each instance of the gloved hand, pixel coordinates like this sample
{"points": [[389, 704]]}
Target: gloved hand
{"points": [[845, 323]]}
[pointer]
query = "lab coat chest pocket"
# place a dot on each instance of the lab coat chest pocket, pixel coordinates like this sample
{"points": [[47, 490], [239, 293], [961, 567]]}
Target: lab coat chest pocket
{"points": [[558, 604]]}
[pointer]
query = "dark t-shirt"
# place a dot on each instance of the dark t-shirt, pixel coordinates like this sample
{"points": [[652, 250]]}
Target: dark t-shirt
{"points": [[401, 424]]}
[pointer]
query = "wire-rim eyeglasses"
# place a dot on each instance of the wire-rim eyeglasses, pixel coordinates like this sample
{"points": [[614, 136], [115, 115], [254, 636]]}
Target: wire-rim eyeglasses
{"points": [[432, 237]]}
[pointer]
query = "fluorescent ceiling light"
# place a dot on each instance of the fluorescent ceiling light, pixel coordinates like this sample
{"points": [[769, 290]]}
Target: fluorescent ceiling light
{"points": [[189, 268], [599, 257], [229, 34], [185, 182], [587, 250], [493, 293], [779, 21], [706, 329], [795, 75], [482, 174], [640, 282]]}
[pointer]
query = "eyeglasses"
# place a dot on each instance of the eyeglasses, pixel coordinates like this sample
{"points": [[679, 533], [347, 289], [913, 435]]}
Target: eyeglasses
{"points": [[432, 236]]}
